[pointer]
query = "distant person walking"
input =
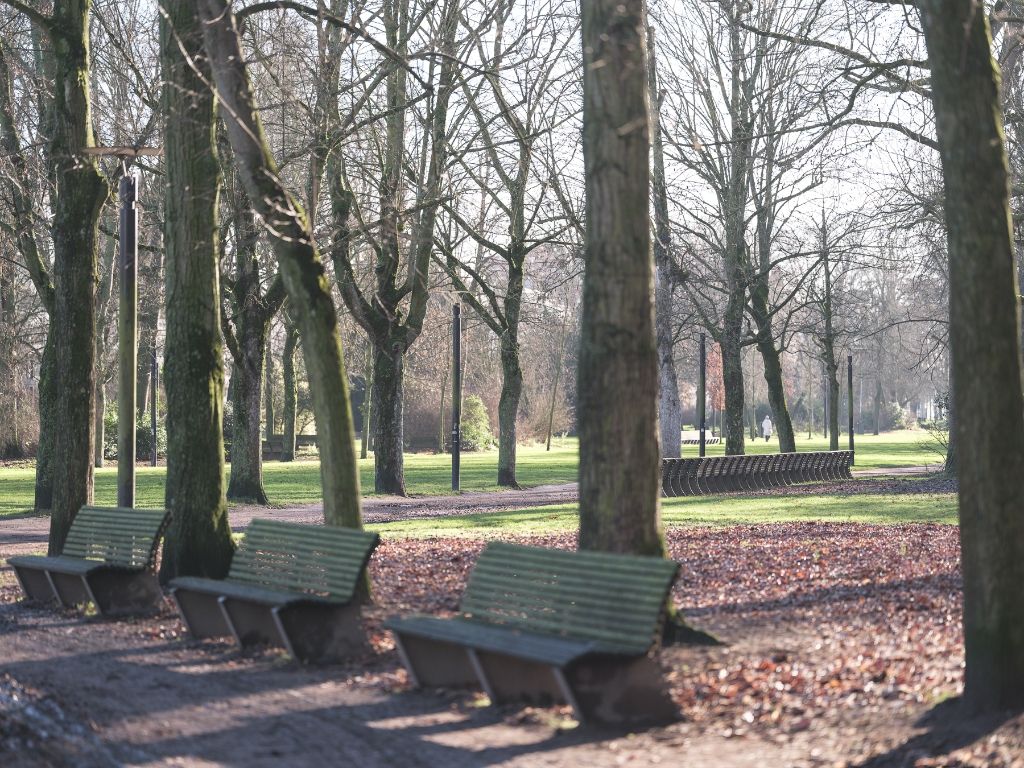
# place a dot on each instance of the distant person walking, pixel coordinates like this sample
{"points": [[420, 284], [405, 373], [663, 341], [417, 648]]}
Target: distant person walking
{"points": [[766, 428]]}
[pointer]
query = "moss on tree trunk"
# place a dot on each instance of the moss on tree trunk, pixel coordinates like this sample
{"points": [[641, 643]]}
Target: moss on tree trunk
{"points": [[300, 265], [81, 191], [198, 541]]}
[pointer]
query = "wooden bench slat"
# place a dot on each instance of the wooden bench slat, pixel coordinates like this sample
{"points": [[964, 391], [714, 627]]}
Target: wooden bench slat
{"points": [[541, 590]]}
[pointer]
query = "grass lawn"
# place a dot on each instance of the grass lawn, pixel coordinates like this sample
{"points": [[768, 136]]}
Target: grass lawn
{"points": [[703, 510], [299, 482]]}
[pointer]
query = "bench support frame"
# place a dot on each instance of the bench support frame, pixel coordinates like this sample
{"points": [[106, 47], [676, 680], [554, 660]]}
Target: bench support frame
{"points": [[114, 591], [606, 689], [309, 631]]}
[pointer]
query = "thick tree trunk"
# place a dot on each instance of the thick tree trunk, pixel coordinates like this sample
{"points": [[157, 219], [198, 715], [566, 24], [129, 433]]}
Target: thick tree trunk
{"points": [[300, 267], [246, 479], [198, 541], [508, 410], [388, 428], [985, 344], [777, 397], [878, 405], [291, 397], [48, 393], [511, 375], [101, 407], [732, 378], [617, 412], [832, 368], [367, 431], [268, 381], [247, 335], [81, 191]]}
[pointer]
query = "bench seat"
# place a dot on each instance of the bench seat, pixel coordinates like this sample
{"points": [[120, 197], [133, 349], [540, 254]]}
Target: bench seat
{"points": [[250, 592], [109, 560], [551, 625], [557, 651], [72, 566], [289, 585]]}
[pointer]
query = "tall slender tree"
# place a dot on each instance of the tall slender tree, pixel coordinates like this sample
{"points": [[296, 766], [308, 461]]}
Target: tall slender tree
{"points": [[289, 233]]}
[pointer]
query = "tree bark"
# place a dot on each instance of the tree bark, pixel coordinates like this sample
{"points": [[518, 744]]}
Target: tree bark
{"points": [[388, 402], [392, 330], [617, 412], [198, 540], [76, 211], [367, 431], [985, 345], [300, 265], [291, 398], [245, 482], [247, 333], [670, 409], [41, 277], [511, 372], [732, 375], [268, 382]]}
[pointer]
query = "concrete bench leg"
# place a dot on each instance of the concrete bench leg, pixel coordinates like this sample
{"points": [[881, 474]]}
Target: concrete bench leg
{"points": [[35, 584], [125, 593], [615, 691], [506, 678], [252, 623], [434, 664], [321, 633], [71, 589], [201, 613]]}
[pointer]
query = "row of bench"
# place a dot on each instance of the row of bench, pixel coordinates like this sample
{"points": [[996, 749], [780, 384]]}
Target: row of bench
{"points": [[719, 474], [708, 440], [538, 624]]}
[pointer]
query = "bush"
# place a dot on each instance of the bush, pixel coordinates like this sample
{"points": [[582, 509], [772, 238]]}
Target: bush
{"points": [[476, 425], [143, 435]]}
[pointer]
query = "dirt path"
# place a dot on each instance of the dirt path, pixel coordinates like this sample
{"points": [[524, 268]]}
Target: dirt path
{"points": [[838, 639], [26, 534]]}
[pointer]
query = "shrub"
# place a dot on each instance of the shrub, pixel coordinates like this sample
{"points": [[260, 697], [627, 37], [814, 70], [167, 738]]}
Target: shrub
{"points": [[476, 425]]}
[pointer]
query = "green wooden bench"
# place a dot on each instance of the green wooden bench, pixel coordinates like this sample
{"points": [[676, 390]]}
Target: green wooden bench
{"points": [[109, 559], [550, 625], [290, 585]]}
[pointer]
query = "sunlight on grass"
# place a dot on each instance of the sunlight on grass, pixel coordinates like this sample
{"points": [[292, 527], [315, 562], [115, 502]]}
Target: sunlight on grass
{"points": [[704, 510], [298, 483]]}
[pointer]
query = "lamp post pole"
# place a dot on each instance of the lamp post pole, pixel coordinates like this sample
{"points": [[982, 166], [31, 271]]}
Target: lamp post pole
{"points": [[456, 395], [849, 396], [127, 341], [702, 395]]}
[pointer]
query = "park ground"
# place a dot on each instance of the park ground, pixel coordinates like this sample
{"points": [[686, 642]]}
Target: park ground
{"points": [[837, 607]]}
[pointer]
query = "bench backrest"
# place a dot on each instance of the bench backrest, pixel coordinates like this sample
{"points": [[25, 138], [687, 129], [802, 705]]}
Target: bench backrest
{"points": [[616, 601], [123, 537], [317, 559]]}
